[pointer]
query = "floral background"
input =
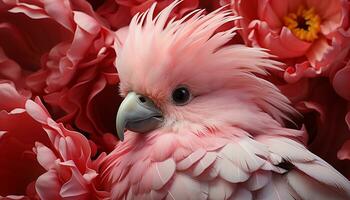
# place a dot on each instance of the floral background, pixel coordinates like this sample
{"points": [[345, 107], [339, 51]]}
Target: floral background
{"points": [[59, 85]]}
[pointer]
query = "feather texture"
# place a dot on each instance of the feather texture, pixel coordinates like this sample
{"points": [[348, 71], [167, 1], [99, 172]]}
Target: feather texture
{"points": [[220, 189], [214, 174], [258, 180], [204, 163], [242, 193], [190, 189], [165, 170], [326, 175], [242, 156], [308, 188], [229, 141], [191, 159], [277, 189]]}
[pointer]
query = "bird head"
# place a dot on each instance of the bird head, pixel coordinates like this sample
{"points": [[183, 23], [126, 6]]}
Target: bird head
{"points": [[180, 76]]}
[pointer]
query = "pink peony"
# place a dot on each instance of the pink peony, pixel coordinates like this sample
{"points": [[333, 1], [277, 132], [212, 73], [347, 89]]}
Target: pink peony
{"points": [[61, 51], [143, 5], [308, 35], [118, 13], [39, 157], [115, 15], [19, 168]]}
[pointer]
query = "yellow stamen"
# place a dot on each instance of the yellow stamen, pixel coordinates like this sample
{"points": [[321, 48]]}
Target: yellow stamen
{"points": [[304, 24]]}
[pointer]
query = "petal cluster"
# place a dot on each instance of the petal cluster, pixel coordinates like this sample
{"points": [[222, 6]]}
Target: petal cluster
{"points": [[307, 35], [62, 51], [41, 158]]}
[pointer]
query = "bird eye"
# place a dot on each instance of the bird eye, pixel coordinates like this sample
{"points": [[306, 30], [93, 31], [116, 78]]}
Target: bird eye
{"points": [[181, 96]]}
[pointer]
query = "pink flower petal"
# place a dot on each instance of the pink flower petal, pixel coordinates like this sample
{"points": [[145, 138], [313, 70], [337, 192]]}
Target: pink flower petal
{"points": [[278, 44], [9, 97], [267, 13], [61, 11], [344, 152], [293, 5], [341, 82], [48, 185], [9, 69], [32, 11], [318, 50], [279, 7], [86, 22], [300, 71], [36, 111], [299, 47], [45, 156], [75, 186]]}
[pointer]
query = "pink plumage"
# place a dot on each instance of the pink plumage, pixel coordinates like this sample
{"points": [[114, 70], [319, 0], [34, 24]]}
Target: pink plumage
{"points": [[228, 141]]}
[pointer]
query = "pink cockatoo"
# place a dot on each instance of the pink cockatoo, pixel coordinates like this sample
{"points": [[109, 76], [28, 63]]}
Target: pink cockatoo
{"points": [[200, 123]]}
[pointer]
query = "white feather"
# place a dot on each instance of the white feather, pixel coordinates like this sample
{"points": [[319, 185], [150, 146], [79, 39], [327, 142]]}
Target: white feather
{"points": [[242, 156], [324, 173], [258, 180], [242, 194], [190, 160], [186, 188], [204, 163], [210, 174], [277, 189], [157, 194], [220, 189], [230, 172], [164, 171], [288, 149], [309, 189]]}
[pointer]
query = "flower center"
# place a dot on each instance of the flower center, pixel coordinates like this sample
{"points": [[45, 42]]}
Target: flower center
{"points": [[304, 24]]}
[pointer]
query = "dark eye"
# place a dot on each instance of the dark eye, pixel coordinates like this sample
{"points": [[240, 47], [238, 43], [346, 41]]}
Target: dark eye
{"points": [[181, 96]]}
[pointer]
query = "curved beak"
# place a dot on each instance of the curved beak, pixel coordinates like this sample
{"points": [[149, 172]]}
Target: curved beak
{"points": [[137, 113]]}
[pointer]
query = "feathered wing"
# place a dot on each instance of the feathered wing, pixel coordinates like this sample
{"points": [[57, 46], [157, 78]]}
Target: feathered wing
{"points": [[311, 177], [249, 169], [240, 168], [277, 189]]}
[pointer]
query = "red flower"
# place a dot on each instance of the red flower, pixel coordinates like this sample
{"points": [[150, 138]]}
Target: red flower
{"points": [[35, 149], [118, 13], [64, 55], [18, 134]]}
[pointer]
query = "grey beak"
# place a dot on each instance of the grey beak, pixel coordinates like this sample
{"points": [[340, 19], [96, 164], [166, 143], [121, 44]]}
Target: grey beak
{"points": [[137, 113]]}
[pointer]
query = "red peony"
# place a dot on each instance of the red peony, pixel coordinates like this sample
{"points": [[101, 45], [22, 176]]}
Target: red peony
{"points": [[62, 52], [39, 157]]}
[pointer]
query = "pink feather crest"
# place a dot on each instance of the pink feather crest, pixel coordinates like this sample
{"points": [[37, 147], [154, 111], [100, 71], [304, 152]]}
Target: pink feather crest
{"points": [[159, 53]]}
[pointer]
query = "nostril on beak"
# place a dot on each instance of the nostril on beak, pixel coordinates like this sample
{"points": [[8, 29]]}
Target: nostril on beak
{"points": [[137, 113], [142, 99]]}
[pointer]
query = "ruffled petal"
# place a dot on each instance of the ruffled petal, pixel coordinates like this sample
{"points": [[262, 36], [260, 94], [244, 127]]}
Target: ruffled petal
{"points": [[48, 185], [341, 82], [278, 43], [294, 73], [344, 152], [318, 51], [267, 13]]}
